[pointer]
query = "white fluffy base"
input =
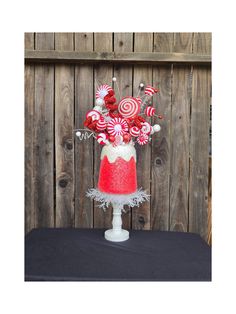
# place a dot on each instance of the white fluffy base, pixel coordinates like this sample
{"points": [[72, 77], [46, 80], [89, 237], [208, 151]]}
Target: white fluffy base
{"points": [[105, 199]]}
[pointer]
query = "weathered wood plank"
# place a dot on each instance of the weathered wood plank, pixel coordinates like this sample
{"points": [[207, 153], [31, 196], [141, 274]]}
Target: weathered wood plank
{"points": [[29, 41], [199, 142], [123, 42], [180, 133], [114, 57], [64, 137], [83, 149], [143, 42], [161, 142], [44, 136], [29, 128], [202, 43], [103, 75]]}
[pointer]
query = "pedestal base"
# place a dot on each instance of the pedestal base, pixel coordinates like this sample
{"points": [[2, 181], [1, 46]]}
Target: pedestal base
{"points": [[116, 236]]}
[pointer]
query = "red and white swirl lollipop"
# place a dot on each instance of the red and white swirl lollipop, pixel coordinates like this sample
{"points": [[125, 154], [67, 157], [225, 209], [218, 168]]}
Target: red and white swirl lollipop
{"points": [[101, 124], [129, 107], [142, 139], [117, 126], [102, 138], [94, 114], [134, 131], [102, 91], [149, 90], [146, 128], [150, 111]]}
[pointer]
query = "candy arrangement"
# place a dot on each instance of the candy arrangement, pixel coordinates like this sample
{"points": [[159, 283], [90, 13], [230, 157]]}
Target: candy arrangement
{"points": [[117, 126], [124, 121]]}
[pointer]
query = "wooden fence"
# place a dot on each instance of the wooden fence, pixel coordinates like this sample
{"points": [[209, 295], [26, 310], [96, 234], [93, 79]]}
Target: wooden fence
{"points": [[60, 71]]}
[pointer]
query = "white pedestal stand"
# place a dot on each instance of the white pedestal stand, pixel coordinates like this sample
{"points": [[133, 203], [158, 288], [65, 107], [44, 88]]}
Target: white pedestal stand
{"points": [[117, 234]]}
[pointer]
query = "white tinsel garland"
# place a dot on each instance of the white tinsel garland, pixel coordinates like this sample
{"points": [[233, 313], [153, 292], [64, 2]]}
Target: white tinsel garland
{"points": [[106, 199]]}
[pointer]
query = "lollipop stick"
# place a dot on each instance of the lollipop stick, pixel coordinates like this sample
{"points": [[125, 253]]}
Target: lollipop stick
{"points": [[118, 90], [141, 85]]}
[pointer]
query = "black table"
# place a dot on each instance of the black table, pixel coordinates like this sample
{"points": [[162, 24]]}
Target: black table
{"points": [[84, 255]]}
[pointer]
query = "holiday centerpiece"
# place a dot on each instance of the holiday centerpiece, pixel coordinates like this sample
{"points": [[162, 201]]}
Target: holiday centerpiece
{"points": [[118, 126]]}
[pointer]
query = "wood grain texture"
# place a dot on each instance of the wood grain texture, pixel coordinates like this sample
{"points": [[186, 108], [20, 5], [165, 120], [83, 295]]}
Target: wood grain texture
{"points": [[123, 42], [115, 57], [64, 137], [29, 147], [44, 136], [143, 42], [202, 43], [180, 132], [103, 75], [160, 161], [83, 149], [199, 141]]}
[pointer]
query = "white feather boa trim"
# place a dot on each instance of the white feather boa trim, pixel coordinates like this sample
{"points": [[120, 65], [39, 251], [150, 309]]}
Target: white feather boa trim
{"points": [[106, 199]]}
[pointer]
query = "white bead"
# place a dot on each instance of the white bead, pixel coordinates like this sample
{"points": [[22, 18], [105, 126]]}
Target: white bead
{"points": [[99, 102], [156, 128], [98, 108], [114, 79], [141, 85], [78, 133]]}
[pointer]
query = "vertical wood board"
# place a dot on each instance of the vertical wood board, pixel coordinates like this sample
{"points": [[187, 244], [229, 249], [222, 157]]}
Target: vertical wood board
{"points": [[64, 125], [29, 149], [44, 136], [160, 161], [84, 148]]}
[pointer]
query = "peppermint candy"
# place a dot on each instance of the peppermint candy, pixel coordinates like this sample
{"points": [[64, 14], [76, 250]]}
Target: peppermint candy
{"points": [[149, 90], [129, 107], [117, 126], [150, 111], [102, 138], [94, 114], [146, 128], [102, 91], [101, 124], [134, 131], [142, 139]]}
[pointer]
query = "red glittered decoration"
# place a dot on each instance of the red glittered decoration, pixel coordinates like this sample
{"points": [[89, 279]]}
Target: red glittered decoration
{"points": [[118, 177], [126, 137], [90, 124]]}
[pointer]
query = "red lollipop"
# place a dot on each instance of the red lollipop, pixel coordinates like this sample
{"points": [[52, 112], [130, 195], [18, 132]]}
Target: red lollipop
{"points": [[129, 107]]}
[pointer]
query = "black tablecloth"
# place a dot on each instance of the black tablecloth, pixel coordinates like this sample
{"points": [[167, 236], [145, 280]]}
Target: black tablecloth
{"points": [[84, 255]]}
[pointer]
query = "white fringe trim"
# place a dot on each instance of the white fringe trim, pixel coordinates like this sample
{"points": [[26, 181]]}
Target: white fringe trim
{"points": [[105, 199]]}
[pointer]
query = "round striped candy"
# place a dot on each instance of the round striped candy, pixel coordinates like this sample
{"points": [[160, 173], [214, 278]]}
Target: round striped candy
{"points": [[102, 91], [129, 107], [149, 90], [94, 114], [146, 128], [101, 125], [150, 111], [142, 139], [134, 131], [117, 126], [102, 138]]}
